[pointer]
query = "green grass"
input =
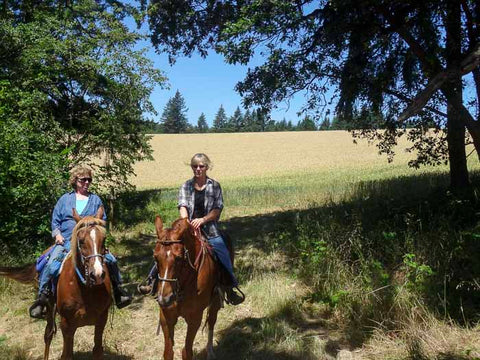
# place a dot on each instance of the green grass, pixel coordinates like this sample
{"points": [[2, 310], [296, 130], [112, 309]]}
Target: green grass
{"points": [[372, 261]]}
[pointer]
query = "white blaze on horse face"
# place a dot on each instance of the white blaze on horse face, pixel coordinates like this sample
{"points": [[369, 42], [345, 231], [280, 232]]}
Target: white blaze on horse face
{"points": [[163, 285], [97, 266]]}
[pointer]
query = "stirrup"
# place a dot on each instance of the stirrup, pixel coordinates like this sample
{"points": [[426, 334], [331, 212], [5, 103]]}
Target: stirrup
{"points": [[121, 296], [153, 284], [38, 310], [240, 298]]}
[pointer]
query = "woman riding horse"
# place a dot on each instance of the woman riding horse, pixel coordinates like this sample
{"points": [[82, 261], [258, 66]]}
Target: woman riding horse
{"points": [[200, 200], [63, 224]]}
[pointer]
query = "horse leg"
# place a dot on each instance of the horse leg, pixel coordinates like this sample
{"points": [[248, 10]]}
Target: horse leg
{"points": [[49, 331], [212, 313], [193, 323], [68, 332], [99, 327], [168, 321]]}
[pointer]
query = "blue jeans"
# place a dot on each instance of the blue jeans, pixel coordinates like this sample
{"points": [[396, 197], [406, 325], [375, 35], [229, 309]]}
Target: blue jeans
{"points": [[52, 268], [222, 253]]}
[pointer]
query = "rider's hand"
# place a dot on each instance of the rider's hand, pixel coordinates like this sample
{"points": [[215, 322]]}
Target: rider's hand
{"points": [[196, 223], [59, 239]]}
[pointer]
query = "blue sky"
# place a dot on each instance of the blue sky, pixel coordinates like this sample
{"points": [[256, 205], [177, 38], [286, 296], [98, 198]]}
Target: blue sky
{"points": [[206, 84]]}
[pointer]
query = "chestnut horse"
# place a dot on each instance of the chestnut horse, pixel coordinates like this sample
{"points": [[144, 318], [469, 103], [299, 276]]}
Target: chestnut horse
{"points": [[187, 275], [84, 291]]}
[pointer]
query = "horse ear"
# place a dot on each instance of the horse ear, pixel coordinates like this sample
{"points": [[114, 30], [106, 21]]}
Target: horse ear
{"points": [[76, 217], [100, 211], [158, 225]]}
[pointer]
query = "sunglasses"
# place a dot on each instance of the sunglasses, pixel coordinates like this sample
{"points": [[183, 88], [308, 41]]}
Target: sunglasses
{"points": [[198, 166], [85, 179]]}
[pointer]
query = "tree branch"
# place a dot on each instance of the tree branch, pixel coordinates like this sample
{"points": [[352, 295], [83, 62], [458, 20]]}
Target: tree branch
{"points": [[409, 100], [467, 65]]}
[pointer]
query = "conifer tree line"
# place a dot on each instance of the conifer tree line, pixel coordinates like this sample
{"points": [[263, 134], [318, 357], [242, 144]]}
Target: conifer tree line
{"points": [[174, 120]]}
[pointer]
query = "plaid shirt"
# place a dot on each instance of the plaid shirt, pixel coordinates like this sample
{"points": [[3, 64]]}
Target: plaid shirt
{"points": [[213, 200]]}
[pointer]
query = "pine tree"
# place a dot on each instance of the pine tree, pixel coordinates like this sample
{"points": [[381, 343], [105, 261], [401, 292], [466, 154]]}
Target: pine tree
{"points": [[174, 118], [220, 121], [307, 124], [235, 122], [325, 125], [202, 126], [248, 121]]}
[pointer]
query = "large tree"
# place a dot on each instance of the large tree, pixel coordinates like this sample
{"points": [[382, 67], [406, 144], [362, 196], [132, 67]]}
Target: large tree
{"points": [[202, 126], [235, 123], [410, 63], [73, 90], [220, 122], [174, 116]]}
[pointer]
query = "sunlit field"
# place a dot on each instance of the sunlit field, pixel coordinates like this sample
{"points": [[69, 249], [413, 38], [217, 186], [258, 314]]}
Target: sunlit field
{"points": [[266, 172], [241, 156]]}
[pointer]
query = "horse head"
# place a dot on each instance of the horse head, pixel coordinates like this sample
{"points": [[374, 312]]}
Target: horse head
{"points": [[173, 254], [88, 247]]}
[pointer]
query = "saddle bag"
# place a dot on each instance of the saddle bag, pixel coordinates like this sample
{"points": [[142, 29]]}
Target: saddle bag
{"points": [[43, 259]]}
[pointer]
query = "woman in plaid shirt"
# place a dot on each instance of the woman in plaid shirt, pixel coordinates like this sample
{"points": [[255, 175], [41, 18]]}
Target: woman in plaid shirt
{"points": [[200, 200]]}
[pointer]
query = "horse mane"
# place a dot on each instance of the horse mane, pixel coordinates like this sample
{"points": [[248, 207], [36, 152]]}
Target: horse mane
{"points": [[99, 225]]}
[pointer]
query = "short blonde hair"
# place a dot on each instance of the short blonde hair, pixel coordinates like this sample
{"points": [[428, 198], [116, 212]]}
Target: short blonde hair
{"points": [[77, 172], [201, 158]]}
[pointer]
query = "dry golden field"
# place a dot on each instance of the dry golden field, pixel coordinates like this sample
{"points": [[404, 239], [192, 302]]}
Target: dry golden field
{"points": [[255, 155]]}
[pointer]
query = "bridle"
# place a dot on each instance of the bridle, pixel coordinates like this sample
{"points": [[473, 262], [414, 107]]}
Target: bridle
{"points": [[84, 259], [186, 258]]}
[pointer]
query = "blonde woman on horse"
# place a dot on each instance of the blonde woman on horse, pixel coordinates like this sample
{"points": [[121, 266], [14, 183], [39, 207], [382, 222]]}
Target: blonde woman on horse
{"points": [[200, 200], [63, 223]]}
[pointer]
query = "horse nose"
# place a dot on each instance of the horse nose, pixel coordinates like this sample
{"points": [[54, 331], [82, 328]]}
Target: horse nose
{"points": [[93, 278], [97, 280], [166, 301]]}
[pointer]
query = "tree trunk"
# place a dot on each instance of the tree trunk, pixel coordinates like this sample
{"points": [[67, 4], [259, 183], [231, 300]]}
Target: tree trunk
{"points": [[456, 151], [459, 180]]}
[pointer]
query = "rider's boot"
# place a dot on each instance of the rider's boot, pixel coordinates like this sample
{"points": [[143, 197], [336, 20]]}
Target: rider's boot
{"points": [[121, 296], [149, 288], [145, 289], [38, 308], [232, 297]]}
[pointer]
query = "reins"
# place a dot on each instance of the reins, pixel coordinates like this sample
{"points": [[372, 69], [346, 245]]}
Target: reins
{"points": [[197, 265]]}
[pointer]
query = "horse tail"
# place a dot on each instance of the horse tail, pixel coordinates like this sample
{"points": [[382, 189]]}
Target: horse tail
{"points": [[26, 274]]}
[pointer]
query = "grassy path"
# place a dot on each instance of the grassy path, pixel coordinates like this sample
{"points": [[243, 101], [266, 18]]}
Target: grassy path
{"points": [[271, 324], [277, 321]]}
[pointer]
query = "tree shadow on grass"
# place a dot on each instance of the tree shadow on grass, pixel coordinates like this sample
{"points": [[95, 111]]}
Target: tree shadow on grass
{"points": [[259, 338], [381, 222], [108, 355], [133, 208]]}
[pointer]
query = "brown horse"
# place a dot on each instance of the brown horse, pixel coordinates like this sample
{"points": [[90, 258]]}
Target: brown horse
{"points": [[187, 275], [84, 291]]}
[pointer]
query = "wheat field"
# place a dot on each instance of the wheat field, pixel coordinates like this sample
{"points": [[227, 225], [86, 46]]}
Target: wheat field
{"points": [[241, 156]]}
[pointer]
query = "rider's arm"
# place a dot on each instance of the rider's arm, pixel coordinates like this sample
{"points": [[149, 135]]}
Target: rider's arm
{"points": [[183, 212], [56, 222], [212, 215]]}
